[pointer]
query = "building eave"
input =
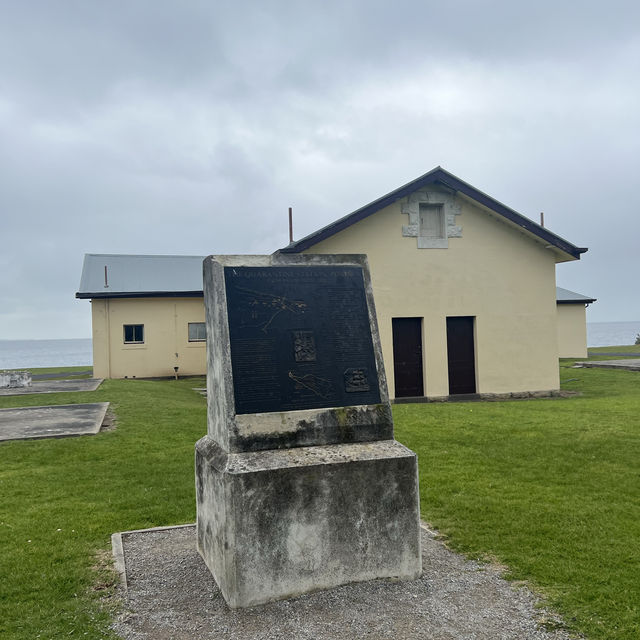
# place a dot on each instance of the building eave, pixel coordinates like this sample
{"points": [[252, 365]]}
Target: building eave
{"points": [[585, 301], [138, 294]]}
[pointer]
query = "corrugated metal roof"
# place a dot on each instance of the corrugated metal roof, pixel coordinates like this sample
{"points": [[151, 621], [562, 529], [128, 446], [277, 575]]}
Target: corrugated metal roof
{"points": [[128, 275], [565, 296], [135, 274]]}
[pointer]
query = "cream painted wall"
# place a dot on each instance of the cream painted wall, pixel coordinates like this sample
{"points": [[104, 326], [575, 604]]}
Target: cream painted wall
{"points": [[166, 338], [494, 272], [572, 330]]}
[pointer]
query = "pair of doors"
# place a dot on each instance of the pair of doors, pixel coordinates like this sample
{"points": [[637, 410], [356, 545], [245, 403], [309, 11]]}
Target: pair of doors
{"points": [[407, 356]]}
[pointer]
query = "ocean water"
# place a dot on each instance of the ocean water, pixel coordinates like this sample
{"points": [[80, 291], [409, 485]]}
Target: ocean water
{"points": [[612, 334], [22, 354]]}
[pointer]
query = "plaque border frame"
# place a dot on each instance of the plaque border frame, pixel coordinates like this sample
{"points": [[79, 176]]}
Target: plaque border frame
{"points": [[274, 430]]}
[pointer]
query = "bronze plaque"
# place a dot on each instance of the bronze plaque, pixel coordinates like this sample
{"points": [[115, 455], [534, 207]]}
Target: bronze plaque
{"points": [[300, 338]]}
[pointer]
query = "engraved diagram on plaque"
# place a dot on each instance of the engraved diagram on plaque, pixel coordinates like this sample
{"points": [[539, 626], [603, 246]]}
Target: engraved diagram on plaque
{"points": [[356, 380], [304, 346]]}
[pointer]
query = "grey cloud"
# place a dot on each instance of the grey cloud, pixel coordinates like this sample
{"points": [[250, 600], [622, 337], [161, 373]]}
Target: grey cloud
{"points": [[161, 127]]}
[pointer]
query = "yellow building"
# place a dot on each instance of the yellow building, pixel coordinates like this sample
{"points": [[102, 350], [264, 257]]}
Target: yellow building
{"points": [[572, 323], [464, 289], [147, 315]]}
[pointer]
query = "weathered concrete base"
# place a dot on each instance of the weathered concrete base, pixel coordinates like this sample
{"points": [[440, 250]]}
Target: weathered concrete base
{"points": [[57, 421], [276, 524], [15, 379]]}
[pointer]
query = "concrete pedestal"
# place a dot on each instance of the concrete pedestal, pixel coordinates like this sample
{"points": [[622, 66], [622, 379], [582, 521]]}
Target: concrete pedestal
{"points": [[278, 523], [300, 485]]}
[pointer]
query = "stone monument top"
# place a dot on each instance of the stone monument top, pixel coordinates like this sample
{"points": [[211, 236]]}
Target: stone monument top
{"points": [[296, 353]]}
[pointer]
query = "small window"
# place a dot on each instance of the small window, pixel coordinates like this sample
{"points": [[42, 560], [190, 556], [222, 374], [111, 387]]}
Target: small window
{"points": [[432, 222], [197, 332], [133, 333]]}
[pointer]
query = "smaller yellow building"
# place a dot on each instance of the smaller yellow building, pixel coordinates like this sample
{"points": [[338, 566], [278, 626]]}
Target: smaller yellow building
{"points": [[147, 315], [572, 323]]}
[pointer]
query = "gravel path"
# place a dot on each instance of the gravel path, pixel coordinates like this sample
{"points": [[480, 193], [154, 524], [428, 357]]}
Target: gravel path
{"points": [[171, 595]]}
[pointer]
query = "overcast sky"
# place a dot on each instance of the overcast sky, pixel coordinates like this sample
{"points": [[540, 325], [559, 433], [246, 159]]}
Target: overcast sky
{"points": [[189, 127]]}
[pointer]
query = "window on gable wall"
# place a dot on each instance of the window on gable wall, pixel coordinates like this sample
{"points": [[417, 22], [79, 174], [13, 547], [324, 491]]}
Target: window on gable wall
{"points": [[432, 221], [197, 332]]}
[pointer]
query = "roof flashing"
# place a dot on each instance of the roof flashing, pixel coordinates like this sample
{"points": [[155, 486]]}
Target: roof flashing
{"points": [[448, 181]]}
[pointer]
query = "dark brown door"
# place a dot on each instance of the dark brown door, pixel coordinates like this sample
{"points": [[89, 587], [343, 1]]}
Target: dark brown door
{"points": [[407, 357], [461, 355]]}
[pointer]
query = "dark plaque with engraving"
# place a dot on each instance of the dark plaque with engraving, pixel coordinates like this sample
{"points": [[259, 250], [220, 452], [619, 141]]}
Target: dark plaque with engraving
{"points": [[300, 338]]}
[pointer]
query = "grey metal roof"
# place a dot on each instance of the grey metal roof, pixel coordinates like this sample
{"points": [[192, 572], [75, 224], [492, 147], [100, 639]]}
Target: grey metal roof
{"points": [[144, 276], [441, 176], [564, 296], [135, 275]]}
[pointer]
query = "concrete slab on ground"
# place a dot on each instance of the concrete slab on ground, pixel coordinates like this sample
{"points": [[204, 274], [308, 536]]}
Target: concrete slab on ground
{"points": [[621, 354], [54, 386], [629, 364], [57, 421], [169, 593]]}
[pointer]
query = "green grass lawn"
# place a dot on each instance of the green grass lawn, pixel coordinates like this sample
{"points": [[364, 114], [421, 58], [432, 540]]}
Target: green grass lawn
{"points": [[62, 499], [550, 488], [605, 351], [63, 371]]}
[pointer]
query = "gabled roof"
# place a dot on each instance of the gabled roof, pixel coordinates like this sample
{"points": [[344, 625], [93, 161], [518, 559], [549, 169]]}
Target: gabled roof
{"points": [[133, 276], [440, 176], [564, 296]]}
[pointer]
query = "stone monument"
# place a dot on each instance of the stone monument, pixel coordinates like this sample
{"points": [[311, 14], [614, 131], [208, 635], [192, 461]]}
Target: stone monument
{"points": [[300, 484]]}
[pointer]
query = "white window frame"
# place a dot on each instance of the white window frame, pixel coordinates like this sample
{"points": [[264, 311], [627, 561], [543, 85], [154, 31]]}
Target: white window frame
{"points": [[196, 324]]}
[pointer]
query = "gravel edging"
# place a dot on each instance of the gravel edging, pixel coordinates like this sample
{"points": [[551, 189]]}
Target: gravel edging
{"points": [[170, 594]]}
